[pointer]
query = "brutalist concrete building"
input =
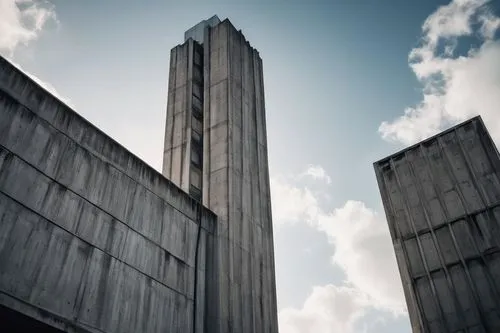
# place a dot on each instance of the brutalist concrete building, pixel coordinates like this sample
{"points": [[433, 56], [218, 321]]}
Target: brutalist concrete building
{"points": [[442, 202], [92, 239]]}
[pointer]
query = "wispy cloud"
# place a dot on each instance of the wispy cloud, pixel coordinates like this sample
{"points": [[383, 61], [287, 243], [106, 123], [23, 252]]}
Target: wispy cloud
{"points": [[455, 87], [361, 247], [328, 309], [22, 21], [292, 204], [318, 173]]}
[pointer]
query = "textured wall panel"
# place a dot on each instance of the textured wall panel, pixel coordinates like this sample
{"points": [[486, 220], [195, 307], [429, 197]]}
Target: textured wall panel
{"points": [[91, 238], [236, 182], [442, 199]]}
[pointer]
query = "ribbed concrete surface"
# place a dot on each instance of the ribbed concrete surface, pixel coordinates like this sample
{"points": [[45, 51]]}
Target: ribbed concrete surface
{"points": [[442, 201], [236, 183], [235, 174], [176, 154], [91, 238]]}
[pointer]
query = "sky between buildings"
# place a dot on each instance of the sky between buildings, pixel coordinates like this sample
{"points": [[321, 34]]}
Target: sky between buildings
{"points": [[347, 83]]}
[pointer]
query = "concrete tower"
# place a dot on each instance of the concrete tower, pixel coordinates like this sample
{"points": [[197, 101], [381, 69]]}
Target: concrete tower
{"points": [[216, 150], [442, 202]]}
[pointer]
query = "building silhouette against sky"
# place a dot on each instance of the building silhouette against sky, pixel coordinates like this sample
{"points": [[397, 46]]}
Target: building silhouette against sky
{"points": [[216, 150], [442, 202], [92, 239]]}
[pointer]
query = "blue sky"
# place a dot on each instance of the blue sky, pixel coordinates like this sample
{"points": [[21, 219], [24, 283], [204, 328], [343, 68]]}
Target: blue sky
{"points": [[334, 72]]}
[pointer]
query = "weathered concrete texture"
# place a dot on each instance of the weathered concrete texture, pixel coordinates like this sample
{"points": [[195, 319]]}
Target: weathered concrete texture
{"points": [[176, 154], [236, 183], [91, 238], [442, 201]]}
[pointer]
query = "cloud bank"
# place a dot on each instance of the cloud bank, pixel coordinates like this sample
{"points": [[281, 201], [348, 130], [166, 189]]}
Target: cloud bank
{"points": [[22, 21], [361, 247], [328, 309], [456, 85]]}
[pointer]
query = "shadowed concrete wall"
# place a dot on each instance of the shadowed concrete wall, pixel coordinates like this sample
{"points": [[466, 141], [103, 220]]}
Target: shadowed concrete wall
{"points": [[442, 201], [236, 182], [176, 153], [91, 238]]}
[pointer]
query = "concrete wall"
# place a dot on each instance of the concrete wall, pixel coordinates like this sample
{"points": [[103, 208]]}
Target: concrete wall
{"points": [[183, 155], [91, 238], [236, 183], [176, 154], [442, 202]]}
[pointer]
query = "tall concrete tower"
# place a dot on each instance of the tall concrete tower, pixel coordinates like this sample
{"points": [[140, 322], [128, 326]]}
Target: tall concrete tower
{"points": [[216, 150]]}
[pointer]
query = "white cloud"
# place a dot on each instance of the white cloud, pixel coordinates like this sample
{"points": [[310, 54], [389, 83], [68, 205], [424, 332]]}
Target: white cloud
{"points": [[455, 87], [292, 204], [21, 21], [318, 173], [361, 246], [329, 309]]}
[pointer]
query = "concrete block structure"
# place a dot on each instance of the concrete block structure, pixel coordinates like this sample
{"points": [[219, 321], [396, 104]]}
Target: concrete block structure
{"points": [[442, 202], [92, 239], [216, 149]]}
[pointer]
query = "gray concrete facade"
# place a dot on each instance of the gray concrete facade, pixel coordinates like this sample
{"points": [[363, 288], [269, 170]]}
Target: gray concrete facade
{"points": [[176, 155], [442, 203], [235, 172], [91, 238]]}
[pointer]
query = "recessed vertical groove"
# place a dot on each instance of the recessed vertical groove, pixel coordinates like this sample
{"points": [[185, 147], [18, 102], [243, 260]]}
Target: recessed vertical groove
{"points": [[449, 227], [252, 223], [466, 209], [486, 203], [412, 290], [229, 178], [258, 224], [269, 257], [409, 215], [494, 162], [207, 123], [174, 96], [442, 260], [185, 161], [270, 229], [243, 157], [472, 175]]}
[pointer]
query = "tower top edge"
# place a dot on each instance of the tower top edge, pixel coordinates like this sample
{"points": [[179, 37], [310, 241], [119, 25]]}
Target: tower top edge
{"points": [[197, 31]]}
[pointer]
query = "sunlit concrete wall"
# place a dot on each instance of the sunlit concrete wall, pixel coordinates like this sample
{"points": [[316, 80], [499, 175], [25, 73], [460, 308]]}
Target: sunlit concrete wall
{"points": [[91, 238], [236, 182], [235, 171]]}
